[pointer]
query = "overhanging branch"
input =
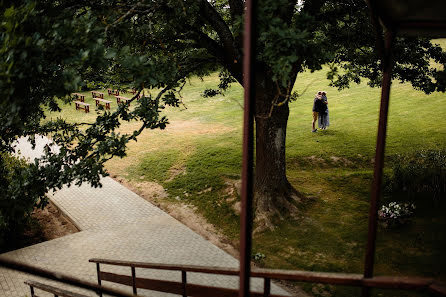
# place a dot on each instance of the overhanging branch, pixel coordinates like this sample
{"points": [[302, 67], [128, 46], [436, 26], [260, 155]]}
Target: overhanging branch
{"points": [[222, 29], [236, 7]]}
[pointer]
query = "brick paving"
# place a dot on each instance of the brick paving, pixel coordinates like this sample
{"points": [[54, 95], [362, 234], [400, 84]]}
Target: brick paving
{"points": [[116, 223]]}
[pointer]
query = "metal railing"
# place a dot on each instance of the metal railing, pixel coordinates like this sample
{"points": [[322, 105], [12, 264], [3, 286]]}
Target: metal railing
{"points": [[50, 289], [429, 285], [183, 288], [60, 277]]}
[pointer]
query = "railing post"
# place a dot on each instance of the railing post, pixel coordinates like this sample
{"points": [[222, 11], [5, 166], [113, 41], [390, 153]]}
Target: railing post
{"points": [[266, 287], [134, 280], [184, 282], [249, 60], [98, 271], [386, 61]]}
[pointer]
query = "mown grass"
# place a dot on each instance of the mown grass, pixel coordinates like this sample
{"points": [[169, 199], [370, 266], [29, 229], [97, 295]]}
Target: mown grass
{"points": [[197, 159]]}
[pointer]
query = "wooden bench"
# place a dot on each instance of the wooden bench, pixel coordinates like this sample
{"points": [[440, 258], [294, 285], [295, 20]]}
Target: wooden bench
{"points": [[133, 92], [50, 289], [82, 105], [100, 101], [113, 92], [79, 97], [124, 99], [97, 94]]}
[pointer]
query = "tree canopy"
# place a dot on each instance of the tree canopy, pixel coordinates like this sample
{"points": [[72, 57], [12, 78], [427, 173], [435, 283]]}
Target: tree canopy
{"points": [[50, 49]]}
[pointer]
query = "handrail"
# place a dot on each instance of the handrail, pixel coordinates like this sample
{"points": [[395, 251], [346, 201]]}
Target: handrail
{"points": [[60, 277], [437, 288], [346, 279], [160, 266], [50, 289], [174, 287], [384, 282]]}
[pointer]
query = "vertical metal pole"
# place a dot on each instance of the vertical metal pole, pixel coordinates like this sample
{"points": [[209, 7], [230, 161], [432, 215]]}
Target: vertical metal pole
{"points": [[98, 271], [266, 287], [32, 291], [134, 280], [248, 148], [379, 158], [183, 282]]}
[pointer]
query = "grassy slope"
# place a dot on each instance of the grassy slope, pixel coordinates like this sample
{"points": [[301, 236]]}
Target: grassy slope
{"points": [[200, 153]]}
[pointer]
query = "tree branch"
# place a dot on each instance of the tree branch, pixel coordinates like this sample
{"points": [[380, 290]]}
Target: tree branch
{"points": [[312, 6], [218, 24], [204, 41], [232, 55], [286, 12], [379, 40], [215, 49], [236, 8], [126, 15]]}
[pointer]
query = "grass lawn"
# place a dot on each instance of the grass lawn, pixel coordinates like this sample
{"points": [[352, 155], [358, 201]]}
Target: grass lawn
{"points": [[197, 159]]}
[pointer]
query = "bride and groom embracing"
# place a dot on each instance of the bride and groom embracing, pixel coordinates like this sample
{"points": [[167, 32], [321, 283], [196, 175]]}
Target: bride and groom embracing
{"points": [[320, 111]]}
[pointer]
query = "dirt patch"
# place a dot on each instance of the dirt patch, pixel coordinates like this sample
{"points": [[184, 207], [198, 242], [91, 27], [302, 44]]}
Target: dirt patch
{"points": [[174, 172], [155, 190], [315, 160], [46, 224], [341, 161], [237, 207], [232, 191], [53, 223], [233, 188], [204, 191]]}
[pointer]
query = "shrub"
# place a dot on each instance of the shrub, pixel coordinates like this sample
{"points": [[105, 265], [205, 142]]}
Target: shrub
{"points": [[394, 213], [258, 257], [421, 174], [93, 85], [20, 192]]}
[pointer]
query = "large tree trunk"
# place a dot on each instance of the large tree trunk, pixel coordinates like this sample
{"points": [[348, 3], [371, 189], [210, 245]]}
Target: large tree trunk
{"points": [[274, 196]]}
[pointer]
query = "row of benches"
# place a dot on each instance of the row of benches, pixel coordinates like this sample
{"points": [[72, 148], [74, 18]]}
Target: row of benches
{"points": [[116, 92], [111, 92], [96, 94], [99, 98]]}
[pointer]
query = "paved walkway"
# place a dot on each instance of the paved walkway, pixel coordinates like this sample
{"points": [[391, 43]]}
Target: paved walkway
{"points": [[116, 223]]}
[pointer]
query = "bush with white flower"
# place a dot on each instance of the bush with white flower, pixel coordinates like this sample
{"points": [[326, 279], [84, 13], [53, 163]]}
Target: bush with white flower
{"points": [[258, 257], [396, 213]]}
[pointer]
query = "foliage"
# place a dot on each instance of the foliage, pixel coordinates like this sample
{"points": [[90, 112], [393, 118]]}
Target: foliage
{"points": [[50, 49], [20, 193], [258, 257], [395, 213], [196, 157], [225, 82], [420, 174]]}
